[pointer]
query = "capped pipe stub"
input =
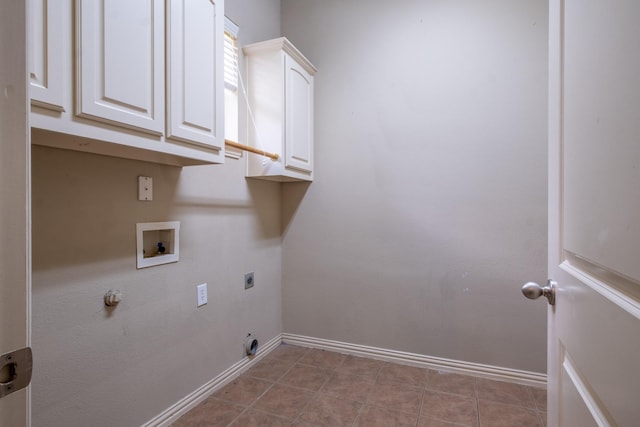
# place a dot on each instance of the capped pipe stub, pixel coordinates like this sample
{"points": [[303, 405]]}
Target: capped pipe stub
{"points": [[250, 345], [112, 297]]}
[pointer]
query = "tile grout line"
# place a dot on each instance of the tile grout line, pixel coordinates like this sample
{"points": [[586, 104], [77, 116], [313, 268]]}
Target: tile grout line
{"points": [[366, 400], [424, 391], [293, 365], [365, 403], [317, 392], [306, 405], [250, 405], [539, 411], [276, 381], [476, 392]]}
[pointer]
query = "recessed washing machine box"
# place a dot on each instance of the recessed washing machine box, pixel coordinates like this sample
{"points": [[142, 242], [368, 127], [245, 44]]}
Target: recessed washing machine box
{"points": [[157, 243]]}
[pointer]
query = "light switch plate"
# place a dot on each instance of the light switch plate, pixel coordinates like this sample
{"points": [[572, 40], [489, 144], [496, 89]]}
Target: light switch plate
{"points": [[145, 188], [202, 294]]}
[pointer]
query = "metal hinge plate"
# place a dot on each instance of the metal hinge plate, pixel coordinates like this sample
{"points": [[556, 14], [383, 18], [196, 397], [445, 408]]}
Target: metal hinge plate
{"points": [[15, 371]]}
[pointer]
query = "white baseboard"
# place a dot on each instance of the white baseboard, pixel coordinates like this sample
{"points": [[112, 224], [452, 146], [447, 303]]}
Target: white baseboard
{"points": [[183, 406], [189, 402], [475, 369]]}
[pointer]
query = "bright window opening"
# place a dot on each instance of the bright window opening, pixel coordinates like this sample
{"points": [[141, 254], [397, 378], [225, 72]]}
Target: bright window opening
{"points": [[231, 80]]}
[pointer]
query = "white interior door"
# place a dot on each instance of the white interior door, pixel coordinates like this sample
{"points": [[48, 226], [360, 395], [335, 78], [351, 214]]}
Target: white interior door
{"points": [[14, 203], [594, 213]]}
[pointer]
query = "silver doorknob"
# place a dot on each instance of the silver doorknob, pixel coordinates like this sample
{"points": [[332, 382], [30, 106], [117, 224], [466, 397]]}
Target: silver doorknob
{"points": [[532, 290]]}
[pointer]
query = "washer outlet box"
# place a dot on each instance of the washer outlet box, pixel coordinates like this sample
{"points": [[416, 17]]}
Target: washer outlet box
{"points": [[248, 280]]}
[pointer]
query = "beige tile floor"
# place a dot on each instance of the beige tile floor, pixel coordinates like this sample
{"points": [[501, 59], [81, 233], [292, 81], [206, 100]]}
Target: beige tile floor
{"points": [[296, 386]]}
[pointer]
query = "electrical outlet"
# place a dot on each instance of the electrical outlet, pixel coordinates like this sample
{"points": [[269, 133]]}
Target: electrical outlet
{"points": [[202, 294], [248, 280]]}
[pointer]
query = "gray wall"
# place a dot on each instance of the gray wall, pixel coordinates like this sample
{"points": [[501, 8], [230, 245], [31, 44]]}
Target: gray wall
{"points": [[428, 209], [122, 367]]}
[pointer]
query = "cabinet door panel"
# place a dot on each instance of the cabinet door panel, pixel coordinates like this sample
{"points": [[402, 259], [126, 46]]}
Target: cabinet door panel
{"points": [[194, 72], [120, 63], [299, 117], [45, 55]]}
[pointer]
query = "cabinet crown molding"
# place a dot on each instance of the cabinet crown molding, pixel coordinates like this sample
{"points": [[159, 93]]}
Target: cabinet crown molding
{"points": [[281, 44]]}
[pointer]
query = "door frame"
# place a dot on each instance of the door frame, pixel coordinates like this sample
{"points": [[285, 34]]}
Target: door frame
{"points": [[15, 200], [554, 193]]}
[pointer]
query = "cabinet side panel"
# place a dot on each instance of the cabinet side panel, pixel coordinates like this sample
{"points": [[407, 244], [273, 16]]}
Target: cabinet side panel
{"points": [[265, 87]]}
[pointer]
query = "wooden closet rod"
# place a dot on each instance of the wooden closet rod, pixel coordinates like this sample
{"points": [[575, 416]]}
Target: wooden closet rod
{"points": [[243, 147]]}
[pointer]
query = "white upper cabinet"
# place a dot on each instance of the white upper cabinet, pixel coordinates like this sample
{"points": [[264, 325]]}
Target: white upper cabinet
{"points": [[135, 79], [195, 98], [120, 64], [45, 55], [280, 93]]}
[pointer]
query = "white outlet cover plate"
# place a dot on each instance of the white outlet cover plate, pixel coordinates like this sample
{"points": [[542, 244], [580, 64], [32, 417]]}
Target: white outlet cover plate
{"points": [[202, 294]]}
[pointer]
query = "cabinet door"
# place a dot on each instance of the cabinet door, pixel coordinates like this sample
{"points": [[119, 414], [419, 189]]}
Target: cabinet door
{"points": [[298, 117], [120, 62], [45, 55], [195, 104]]}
